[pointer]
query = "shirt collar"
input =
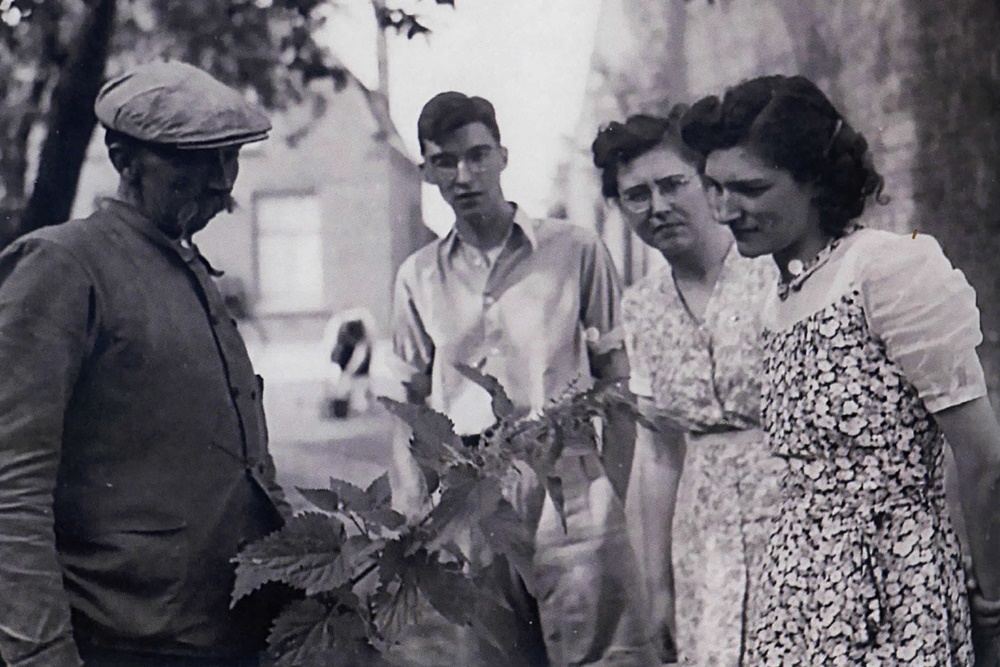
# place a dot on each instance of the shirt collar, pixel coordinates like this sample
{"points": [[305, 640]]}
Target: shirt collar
{"points": [[523, 230], [138, 221]]}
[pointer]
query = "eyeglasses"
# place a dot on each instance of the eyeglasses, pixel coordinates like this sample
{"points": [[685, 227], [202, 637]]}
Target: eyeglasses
{"points": [[639, 198], [475, 159]]}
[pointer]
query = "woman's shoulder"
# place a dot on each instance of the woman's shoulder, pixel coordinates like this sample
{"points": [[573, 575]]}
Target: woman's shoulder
{"points": [[882, 258]]}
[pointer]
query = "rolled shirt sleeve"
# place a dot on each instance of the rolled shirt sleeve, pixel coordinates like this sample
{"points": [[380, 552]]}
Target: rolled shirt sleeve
{"points": [[413, 349], [46, 319], [600, 299], [924, 310]]}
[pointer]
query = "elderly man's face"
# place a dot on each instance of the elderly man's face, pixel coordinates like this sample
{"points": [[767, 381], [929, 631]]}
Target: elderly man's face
{"points": [[181, 190]]}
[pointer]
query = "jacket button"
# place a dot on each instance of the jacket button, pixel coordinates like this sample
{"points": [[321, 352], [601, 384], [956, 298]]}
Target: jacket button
{"points": [[234, 392]]}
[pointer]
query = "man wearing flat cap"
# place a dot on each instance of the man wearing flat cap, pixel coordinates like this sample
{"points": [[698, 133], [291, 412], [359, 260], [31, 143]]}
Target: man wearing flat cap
{"points": [[133, 447]]}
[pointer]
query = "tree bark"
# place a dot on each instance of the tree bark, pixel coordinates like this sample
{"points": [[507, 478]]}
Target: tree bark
{"points": [[71, 121]]}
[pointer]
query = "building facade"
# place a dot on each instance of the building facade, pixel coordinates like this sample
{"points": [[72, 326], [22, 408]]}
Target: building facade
{"points": [[327, 209]]}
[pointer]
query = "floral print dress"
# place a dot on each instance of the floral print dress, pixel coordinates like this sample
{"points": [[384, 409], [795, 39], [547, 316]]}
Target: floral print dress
{"points": [[863, 567], [704, 376]]}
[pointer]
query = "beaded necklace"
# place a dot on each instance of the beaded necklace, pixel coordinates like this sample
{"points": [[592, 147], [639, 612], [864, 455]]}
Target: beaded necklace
{"points": [[802, 270]]}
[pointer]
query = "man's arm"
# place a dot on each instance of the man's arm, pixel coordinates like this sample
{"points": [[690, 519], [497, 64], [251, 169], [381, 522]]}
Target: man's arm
{"points": [[600, 315], [410, 363], [620, 427], [46, 312]]}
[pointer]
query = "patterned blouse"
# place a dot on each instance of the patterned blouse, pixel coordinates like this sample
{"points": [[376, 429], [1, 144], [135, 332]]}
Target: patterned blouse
{"points": [[701, 374]]}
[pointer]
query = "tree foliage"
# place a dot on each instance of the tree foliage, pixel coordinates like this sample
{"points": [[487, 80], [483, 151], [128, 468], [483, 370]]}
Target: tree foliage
{"points": [[54, 54], [363, 567]]}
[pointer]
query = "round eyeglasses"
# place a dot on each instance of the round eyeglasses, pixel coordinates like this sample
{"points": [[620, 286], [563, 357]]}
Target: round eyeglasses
{"points": [[446, 164], [639, 198]]}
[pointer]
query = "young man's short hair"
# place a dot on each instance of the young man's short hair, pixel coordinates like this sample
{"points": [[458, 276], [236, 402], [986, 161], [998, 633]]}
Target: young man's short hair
{"points": [[446, 112]]}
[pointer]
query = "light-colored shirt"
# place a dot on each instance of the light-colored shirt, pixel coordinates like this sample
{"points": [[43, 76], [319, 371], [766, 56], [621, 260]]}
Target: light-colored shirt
{"points": [[700, 373], [528, 318]]}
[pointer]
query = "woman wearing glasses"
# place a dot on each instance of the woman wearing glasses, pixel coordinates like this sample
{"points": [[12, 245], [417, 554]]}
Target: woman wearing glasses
{"points": [[870, 362], [692, 336]]}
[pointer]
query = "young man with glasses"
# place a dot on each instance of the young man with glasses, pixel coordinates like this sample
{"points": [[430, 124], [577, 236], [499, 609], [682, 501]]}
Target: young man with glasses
{"points": [[534, 303]]}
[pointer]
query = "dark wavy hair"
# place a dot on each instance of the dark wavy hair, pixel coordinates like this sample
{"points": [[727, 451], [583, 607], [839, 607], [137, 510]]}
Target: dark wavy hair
{"points": [[620, 143], [446, 112], [789, 122]]}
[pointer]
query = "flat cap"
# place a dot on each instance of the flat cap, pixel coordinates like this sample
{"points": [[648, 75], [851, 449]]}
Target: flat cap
{"points": [[180, 105]]}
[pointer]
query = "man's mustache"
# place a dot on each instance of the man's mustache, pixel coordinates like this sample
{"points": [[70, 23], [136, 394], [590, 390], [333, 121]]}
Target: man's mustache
{"points": [[189, 217]]}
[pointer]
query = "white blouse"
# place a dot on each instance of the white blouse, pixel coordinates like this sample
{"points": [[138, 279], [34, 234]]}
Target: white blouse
{"points": [[920, 306]]}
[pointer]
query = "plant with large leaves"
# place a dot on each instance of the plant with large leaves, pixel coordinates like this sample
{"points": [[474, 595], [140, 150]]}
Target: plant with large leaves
{"points": [[363, 568]]}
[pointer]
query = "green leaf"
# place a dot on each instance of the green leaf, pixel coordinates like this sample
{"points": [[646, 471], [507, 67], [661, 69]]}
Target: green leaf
{"points": [[503, 407], [310, 553]]}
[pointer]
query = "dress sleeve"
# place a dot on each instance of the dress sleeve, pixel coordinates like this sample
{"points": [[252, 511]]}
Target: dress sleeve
{"points": [[924, 310]]}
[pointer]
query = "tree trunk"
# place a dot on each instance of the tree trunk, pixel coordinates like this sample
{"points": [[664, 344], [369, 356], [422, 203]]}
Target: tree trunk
{"points": [[71, 121]]}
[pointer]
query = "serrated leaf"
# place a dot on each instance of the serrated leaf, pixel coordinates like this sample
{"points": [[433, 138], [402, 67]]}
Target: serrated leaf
{"points": [[389, 518], [379, 492], [396, 598], [460, 508], [310, 553], [323, 499], [309, 633], [434, 442], [507, 533], [303, 629], [449, 590], [503, 407], [352, 498]]}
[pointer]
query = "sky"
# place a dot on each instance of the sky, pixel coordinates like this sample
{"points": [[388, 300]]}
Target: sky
{"points": [[529, 57]]}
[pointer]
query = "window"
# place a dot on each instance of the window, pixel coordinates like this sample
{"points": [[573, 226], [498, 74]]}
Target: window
{"points": [[289, 252]]}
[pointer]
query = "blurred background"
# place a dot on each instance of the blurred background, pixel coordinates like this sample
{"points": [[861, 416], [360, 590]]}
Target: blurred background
{"points": [[333, 202]]}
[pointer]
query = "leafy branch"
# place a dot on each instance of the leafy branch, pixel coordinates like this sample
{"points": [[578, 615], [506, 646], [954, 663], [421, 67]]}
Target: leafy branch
{"points": [[363, 567]]}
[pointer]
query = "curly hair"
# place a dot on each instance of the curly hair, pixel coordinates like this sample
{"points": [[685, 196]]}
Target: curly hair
{"points": [[618, 144], [789, 122]]}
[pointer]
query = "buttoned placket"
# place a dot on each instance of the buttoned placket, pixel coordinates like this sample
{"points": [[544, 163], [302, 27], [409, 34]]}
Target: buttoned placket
{"points": [[491, 328], [233, 354]]}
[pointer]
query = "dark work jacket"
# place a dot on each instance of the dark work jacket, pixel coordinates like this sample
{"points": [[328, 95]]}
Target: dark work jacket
{"points": [[133, 447]]}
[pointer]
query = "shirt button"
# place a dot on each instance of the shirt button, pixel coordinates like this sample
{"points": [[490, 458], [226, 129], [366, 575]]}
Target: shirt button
{"points": [[489, 300]]}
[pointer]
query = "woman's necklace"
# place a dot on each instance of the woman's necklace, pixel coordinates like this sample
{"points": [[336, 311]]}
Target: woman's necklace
{"points": [[802, 270]]}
